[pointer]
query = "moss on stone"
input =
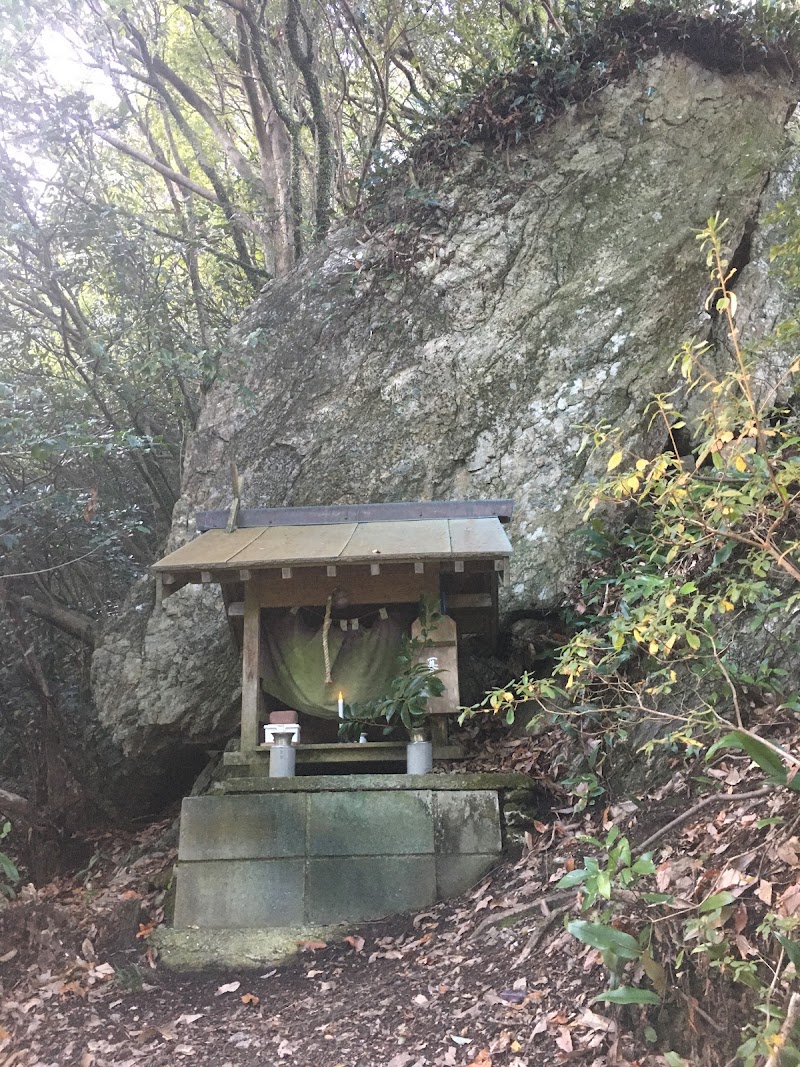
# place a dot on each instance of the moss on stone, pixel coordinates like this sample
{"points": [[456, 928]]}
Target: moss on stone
{"points": [[194, 950]]}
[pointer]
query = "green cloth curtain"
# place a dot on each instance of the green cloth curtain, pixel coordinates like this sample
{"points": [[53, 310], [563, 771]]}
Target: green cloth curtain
{"points": [[363, 661]]}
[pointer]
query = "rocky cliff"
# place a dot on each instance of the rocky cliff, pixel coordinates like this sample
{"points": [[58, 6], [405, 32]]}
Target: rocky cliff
{"points": [[455, 343]]}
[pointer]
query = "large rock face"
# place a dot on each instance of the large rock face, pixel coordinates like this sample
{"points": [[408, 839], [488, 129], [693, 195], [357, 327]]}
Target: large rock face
{"points": [[456, 350]]}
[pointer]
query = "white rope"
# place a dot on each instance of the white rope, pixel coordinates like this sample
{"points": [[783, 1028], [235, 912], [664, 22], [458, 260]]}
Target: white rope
{"points": [[325, 650]]}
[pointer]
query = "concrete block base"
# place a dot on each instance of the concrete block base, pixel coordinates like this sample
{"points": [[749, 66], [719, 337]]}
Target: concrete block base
{"points": [[326, 851]]}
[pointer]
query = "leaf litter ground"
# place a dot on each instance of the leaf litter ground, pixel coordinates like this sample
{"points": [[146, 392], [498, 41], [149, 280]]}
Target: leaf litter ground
{"points": [[491, 979]]}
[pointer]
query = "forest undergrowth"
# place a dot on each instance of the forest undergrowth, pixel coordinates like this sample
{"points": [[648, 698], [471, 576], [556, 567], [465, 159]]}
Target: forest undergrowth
{"points": [[497, 977]]}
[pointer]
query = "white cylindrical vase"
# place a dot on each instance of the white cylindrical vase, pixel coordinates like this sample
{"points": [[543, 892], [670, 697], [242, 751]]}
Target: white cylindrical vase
{"points": [[419, 755], [282, 756]]}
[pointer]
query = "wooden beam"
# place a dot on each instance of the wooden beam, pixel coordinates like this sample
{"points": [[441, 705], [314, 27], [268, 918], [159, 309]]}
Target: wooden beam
{"points": [[311, 587], [205, 577], [171, 583], [469, 600], [323, 515], [159, 594], [251, 669]]}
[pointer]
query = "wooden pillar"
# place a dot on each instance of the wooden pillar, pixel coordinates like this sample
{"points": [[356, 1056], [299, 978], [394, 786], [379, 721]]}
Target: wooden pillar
{"points": [[251, 669]]}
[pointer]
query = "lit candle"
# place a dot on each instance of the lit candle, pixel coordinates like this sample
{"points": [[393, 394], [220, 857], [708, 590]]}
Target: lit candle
{"points": [[341, 705]]}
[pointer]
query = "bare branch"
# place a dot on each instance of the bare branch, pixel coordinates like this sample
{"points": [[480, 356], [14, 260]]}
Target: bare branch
{"points": [[173, 175]]}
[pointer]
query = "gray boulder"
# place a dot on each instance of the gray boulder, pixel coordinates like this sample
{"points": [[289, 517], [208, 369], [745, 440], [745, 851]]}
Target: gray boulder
{"points": [[459, 342]]}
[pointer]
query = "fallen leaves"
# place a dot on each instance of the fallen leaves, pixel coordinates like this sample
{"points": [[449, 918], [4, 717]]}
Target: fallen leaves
{"points": [[564, 1039], [789, 901], [788, 852], [441, 990], [483, 1059], [229, 987]]}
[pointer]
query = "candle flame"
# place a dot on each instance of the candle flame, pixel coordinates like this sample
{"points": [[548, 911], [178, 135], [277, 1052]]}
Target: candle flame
{"points": [[341, 695]]}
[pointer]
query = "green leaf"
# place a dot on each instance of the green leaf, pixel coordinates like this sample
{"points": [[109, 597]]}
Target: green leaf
{"points": [[767, 758], [674, 1060], [645, 865], [603, 937], [791, 948], [604, 885], [722, 555], [8, 868], [716, 901], [572, 878], [626, 994]]}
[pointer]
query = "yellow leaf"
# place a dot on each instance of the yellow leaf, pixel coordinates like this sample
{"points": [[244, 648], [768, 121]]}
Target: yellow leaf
{"points": [[655, 972], [641, 465], [652, 648], [669, 599], [631, 483], [740, 464], [726, 605], [615, 461], [639, 636]]}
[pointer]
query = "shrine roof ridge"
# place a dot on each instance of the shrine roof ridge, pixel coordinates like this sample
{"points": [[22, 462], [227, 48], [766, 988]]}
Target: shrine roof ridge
{"points": [[331, 514]]}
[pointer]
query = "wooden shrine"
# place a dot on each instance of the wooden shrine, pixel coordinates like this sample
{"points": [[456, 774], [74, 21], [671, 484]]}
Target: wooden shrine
{"points": [[370, 556]]}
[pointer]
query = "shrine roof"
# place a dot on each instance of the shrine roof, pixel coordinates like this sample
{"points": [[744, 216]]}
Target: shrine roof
{"points": [[432, 534]]}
